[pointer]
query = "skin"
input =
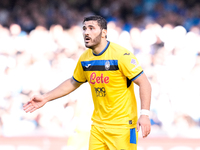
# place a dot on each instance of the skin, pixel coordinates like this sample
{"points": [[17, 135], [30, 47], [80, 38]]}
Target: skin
{"points": [[145, 97], [97, 36], [95, 39]]}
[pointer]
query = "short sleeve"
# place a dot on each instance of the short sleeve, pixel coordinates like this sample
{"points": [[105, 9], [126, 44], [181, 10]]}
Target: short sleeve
{"points": [[79, 75], [129, 66]]}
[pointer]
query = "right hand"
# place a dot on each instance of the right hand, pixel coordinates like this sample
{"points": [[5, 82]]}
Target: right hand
{"points": [[35, 103]]}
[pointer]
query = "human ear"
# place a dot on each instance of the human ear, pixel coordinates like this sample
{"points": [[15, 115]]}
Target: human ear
{"points": [[104, 33]]}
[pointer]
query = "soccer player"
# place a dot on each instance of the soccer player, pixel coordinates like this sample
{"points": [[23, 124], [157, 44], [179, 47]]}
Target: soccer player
{"points": [[110, 70]]}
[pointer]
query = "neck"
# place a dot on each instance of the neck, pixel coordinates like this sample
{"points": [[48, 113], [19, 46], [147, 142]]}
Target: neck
{"points": [[100, 47]]}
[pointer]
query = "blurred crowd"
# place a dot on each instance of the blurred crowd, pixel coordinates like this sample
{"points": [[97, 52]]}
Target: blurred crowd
{"points": [[41, 41]]}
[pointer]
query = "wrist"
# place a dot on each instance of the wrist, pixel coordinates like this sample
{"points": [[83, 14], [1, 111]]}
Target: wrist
{"points": [[45, 98], [144, 112]]}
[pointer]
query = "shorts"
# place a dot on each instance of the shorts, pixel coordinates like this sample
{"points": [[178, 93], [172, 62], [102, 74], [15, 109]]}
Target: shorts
{"points": [[113, 138]]}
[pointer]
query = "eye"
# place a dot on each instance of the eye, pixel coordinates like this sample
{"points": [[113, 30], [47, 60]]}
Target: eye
{"points": [[84, 28]]}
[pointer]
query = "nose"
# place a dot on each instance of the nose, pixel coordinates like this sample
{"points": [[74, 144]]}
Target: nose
{"points": [[86, 32]]}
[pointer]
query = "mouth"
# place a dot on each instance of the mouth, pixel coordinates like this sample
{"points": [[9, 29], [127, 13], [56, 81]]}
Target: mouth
{"points": [[87, 39]]}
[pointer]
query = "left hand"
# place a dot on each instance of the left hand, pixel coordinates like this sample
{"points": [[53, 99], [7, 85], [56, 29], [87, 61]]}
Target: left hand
{"points": [[145, 124]]}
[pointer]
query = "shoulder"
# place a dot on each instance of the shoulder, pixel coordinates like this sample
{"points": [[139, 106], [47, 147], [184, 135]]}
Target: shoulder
{"points": [[116, 46], [85, 54], [119, 50]]}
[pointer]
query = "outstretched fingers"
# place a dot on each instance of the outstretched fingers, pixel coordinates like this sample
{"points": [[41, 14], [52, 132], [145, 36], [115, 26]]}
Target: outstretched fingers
{"points": [[33, 109], [29, 107]]}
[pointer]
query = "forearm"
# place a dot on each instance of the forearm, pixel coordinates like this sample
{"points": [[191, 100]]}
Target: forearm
{"points": [[63, 89], [144, 91], [145, 95]]}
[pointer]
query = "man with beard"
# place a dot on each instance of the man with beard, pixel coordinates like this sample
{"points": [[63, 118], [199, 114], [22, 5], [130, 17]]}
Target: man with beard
{"points": [[110, 70]]}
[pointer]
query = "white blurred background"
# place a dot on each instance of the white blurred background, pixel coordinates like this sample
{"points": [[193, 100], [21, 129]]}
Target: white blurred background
{"points": [[41, 41]]}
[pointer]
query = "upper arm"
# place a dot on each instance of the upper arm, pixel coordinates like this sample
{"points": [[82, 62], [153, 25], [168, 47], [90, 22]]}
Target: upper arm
{"points": [[75, 83], [142, 79], [79, 75]]}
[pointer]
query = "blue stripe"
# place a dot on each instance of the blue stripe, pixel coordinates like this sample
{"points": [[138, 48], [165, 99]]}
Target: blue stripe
{"points": [[137, 76], [77, 80], [133, 138], [99, 62], [102, 50]]}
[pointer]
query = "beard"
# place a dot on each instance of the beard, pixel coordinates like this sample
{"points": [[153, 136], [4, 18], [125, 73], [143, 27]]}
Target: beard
{"points": [[94, 42]]}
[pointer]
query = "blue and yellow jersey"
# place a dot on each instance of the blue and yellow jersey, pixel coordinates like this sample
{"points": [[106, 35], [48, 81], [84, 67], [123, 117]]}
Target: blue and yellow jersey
{"points": [[110, 75]]}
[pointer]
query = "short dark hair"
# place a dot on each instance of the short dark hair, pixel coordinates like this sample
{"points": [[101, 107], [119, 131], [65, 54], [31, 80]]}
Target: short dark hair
{"points": [[100, 20]]}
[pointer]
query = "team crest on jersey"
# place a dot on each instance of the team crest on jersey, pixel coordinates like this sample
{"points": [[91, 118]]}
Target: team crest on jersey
{"points": [[107, 65]]}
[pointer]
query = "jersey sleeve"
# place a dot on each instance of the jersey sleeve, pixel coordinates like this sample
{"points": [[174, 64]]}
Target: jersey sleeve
{"points": [[129, 66], [79, 75]]}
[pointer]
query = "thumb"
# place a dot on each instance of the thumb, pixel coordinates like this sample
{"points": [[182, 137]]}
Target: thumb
{"points": [[138, 126]]}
